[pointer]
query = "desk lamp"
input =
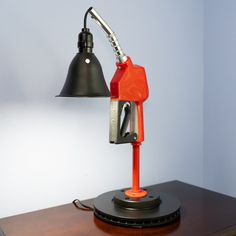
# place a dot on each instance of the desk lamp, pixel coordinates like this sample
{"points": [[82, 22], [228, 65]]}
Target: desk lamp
{"points": [[134, 207]]}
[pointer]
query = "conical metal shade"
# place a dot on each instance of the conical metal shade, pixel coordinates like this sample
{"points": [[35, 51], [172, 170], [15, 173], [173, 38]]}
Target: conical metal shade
{"points": [[85, 78]]}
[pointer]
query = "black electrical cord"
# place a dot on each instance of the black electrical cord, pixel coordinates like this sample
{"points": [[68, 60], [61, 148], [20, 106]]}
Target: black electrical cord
{"points": [[2, 233], [85, 17], [82, 206]]}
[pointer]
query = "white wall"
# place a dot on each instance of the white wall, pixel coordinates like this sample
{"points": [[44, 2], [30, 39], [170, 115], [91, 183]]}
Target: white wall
{"points": [[220, 96], [53, 150]]}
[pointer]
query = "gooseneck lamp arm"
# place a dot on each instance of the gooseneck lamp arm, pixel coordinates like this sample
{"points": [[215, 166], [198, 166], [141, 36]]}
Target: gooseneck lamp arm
{"points": [[120, 55]]}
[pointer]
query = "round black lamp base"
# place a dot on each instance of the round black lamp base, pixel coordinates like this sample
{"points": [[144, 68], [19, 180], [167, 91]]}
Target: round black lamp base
{"points": [[155, 209]]}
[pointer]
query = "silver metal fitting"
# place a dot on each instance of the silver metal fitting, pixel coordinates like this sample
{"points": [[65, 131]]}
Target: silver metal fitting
{"points": [[123, 122], [120, 55]]}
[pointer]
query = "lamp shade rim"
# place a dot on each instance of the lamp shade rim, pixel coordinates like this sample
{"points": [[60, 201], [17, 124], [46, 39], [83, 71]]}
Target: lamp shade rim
{"points": [[88, 96]]}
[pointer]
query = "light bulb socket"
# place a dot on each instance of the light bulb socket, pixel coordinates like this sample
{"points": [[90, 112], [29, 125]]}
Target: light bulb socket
{"points": [[85, 41]]}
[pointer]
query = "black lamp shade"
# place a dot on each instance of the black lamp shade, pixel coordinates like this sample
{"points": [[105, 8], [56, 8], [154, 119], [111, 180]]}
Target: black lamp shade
{"points": [[85, 77]]}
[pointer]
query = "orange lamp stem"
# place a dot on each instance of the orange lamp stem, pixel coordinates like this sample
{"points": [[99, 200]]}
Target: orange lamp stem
{"points": [[136, 167], [135, 191]]}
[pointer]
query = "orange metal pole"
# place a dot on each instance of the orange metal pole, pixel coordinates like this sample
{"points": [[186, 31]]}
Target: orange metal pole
{"points": [[136, 161], [135, 191]]}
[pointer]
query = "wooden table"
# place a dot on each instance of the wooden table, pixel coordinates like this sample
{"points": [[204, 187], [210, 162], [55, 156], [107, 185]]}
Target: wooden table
{"points": [[203, 212]]}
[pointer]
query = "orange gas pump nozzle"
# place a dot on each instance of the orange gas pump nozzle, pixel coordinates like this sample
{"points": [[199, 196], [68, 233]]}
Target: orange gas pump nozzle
{"points": [[129, 89]]}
